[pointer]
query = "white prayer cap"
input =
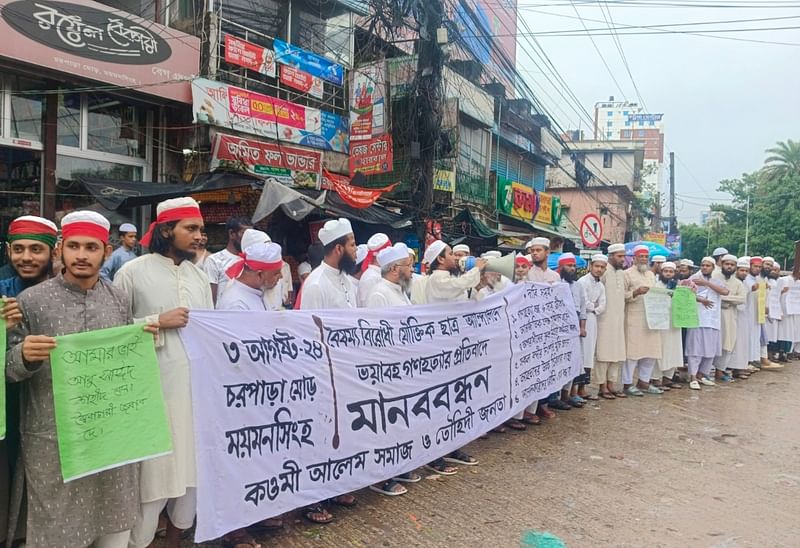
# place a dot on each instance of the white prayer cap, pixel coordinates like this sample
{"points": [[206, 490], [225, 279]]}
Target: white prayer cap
{"points": [[170, 210], [433, 251], [599, 258], [175, 204], [743, 262], [708, 260], [616, 248], [378, 241], [252, 236], [641, 250], [259, 256], [720, 251], [303, 268], [659, 259], [668, 264], [687, 262], [544, 242], [769, 259], [85, 223], [397, 252], [461, 248], [334, 229], [127, 227], [361, 253], [729, 257], [491, 255]]}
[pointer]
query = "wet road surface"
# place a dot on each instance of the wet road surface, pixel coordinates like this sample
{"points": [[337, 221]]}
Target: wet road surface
{"points": [[717, 468]]}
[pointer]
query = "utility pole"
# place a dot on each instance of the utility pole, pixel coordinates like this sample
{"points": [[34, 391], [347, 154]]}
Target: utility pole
{"points": [[747, 225], [428, 99], [673, 228]]}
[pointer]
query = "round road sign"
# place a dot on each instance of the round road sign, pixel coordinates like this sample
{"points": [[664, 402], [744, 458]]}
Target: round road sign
{"points": [[591, 230]]}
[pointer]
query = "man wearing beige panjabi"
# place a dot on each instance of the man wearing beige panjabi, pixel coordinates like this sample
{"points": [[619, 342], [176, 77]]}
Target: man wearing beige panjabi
{"points": [[643, 344], [610, 352], [729, 312]]}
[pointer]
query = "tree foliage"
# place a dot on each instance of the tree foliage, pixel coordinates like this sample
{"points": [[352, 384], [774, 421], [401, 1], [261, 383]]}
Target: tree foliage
{"points": [[773, 196]]}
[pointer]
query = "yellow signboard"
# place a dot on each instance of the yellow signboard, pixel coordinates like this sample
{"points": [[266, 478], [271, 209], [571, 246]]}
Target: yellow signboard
{"points": [[545, 214]]}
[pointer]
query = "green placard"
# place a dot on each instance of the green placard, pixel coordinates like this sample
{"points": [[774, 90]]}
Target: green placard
{"points": [[684, 308], [109, 405]]}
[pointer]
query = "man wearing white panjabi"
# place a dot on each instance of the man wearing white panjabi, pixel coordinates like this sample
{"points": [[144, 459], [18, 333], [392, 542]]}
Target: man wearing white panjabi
{"points": [[329, 286], [789, 326], [728, 314], [704, 343], [741, 348], [396, 274], [671, 339], [258, 270], [273, 296], [643, 346], [445, 286], [163, 285], [370, 270], [595, 293]]}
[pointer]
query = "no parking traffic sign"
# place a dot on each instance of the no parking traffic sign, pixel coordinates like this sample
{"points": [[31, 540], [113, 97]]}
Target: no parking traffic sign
{"points": [[591, 230]]}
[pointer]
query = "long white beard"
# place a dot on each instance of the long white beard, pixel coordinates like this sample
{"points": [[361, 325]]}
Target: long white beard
{"points": [[642, 268]]}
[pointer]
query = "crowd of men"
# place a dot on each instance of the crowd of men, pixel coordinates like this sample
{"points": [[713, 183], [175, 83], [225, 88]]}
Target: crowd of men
{"points": [[72, 282]]}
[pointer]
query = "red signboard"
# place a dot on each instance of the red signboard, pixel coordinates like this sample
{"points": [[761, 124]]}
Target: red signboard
{"points": [[258, 153], [89, 40], [373, 156], [250, 56], [301, 81], [353, 196]]}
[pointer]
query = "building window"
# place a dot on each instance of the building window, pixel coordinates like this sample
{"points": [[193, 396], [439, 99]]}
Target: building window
{"points": [[609, 123], [27, 108], [607, 159], [609, 134], [641, 133], [115, 127], [624, 112], [652, 123], [609, 113], [627, 122]]}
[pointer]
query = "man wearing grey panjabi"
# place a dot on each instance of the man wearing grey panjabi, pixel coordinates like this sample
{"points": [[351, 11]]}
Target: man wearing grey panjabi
{"points": [[97, 510]]}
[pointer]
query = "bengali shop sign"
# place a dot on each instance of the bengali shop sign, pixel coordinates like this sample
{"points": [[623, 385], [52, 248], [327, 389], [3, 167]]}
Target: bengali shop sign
{"points": [[293, 408], [223, 105], [368, 101], [301, 81], [516, 200], [250, 56], [309, 62], [371, 157], [287, 165], [545, 213]]}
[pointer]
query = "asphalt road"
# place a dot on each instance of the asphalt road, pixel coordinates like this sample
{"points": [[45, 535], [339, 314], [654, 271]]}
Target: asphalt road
{"points": [[718, 468]]}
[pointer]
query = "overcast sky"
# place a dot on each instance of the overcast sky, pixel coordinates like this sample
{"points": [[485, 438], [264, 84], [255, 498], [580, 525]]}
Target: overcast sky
{"points": [[724, 101]]}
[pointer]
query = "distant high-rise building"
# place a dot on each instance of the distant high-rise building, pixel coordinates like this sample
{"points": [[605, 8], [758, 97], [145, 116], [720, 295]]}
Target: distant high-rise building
{"points": [[626, 121]]}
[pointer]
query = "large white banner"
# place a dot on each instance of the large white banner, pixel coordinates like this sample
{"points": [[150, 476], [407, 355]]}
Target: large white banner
{"points": [[295, 407]]}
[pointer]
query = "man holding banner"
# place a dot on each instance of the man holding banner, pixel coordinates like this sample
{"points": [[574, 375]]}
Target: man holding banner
{"points": [[163, 285], [704, 343], [99, 509]]}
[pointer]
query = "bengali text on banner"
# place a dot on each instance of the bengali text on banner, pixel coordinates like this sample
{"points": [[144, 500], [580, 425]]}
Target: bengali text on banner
{"points": [[291, 408]]}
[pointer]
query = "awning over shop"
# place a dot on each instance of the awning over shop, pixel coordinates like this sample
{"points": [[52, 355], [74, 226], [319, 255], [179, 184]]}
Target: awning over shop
{"points": [[474, 227], [533, 226], [115, 195], [297, 204]]}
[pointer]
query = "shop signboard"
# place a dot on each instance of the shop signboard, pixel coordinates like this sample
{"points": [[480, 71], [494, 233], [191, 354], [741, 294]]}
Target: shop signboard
{"points": [[223, 105], [301, 81], [372, 157], [250, 56], [545, 213], [368, 101], [87, 39], [316, 65], [516, 200], [287, 165], [444, 180]]}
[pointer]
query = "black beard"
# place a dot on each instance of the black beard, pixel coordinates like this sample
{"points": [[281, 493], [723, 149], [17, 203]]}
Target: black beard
{"points": [[773, 275], [184, 254], [43, 275], [348, 265], [569, 277], [727, 274]]}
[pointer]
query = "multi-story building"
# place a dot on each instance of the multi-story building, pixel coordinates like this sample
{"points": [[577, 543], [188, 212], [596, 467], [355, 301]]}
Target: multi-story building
{"points": [[626, 121], [599, 177]]}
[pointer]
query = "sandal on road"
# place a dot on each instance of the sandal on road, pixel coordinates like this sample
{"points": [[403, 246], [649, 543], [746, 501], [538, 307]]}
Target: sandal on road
{"points": [[620, 394], [531, 418], [460, 457], [440, 467], [408, 477], [348, 501], [239, 539], [269, 524], [608, 395], [514, 424], [390, 488], [317, 514]]}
